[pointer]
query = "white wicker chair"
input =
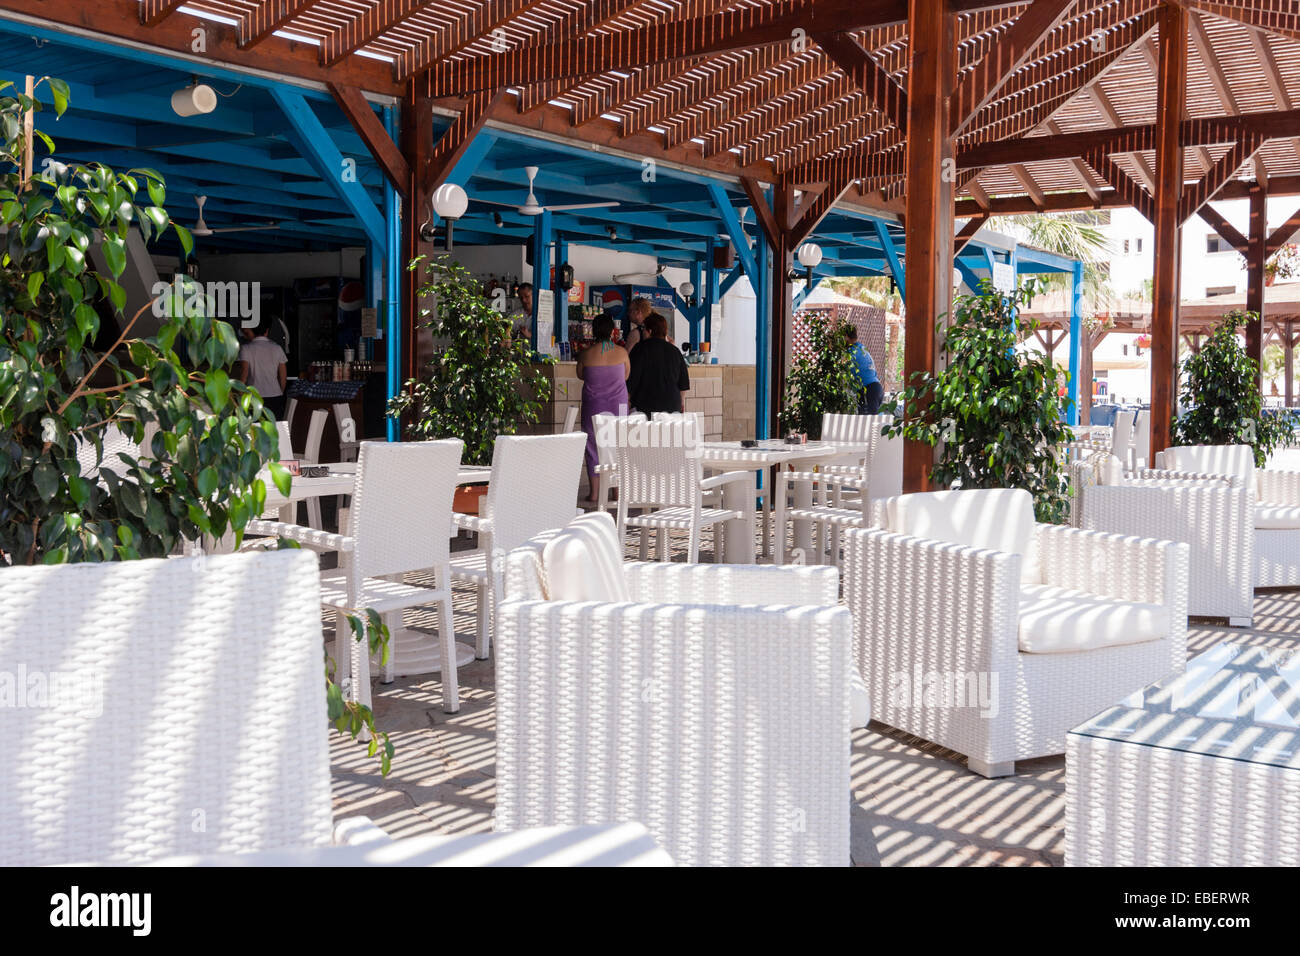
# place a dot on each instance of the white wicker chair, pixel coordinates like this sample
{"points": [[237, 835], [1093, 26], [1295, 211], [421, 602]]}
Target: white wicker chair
{"points": [[659, 469], [186, 712], [942, 612], [1275, 500], [714, 708], [571, 420], [1214, 517], [1142, 439], [390, 537], [533, 489], [347, 426]]}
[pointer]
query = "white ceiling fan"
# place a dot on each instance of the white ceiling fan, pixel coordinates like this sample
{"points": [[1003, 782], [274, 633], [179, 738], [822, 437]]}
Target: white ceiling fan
{"points": [[531, 207], [201, 228]]}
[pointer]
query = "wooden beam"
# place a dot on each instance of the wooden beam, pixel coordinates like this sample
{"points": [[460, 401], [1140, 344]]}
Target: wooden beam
{"points": [[1219, 80], [812, 213], [1171, 100], [1108, 169], [116, 21], [1272, 75], [967, 233], [1026, 180], [867, 75], [1256, 260], [979, 86], [1087, 178], [372, 132], [772, 230], [455, 140], [269, 16], [1145, 173], [153, 12], [1223, 229], [1283, 234], [1275, 16], [741, 28], [782, 215], [365, 27], [417, 148], [1198, 194], [930, 77], [484, 20]]}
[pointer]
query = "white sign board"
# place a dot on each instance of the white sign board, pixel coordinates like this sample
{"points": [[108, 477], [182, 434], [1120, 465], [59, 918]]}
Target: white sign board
{"points": [[1004, 277], [545, 322]]}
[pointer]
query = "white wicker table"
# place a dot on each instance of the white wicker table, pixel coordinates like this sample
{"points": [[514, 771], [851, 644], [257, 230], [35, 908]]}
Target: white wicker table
{"points": [[617, 844], [1201, 769], [772, 453]]}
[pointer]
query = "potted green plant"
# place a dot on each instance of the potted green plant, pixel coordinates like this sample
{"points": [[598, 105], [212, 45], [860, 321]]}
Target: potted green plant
{"points": [[822, 380], [995, 412], [1220, 402], [481, 381], [64, 382]]}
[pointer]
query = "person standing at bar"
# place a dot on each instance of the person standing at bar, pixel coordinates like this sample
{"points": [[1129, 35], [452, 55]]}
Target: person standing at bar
{"points": [[659, 379], [603, 368], [638, 311], [873, 393], [263, 366]]}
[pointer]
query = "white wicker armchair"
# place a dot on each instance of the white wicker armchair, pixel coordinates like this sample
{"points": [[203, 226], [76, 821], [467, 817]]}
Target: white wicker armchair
{"points": [[996, 653], [1213, 516], [146, 743], [1275, 496], [713, 707]]}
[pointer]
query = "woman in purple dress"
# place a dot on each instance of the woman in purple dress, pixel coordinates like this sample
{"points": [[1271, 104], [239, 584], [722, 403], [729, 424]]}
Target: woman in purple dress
{"points": [[603, 368]]}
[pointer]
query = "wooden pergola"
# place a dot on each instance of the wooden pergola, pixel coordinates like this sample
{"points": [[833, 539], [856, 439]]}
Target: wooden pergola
{"points": [[936, 110]]}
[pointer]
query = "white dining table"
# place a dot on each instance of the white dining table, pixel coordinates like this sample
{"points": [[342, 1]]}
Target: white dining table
{"points": [[771, 453]]}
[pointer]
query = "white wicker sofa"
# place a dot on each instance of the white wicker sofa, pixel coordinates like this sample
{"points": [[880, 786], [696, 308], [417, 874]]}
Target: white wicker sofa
{"points": [[988, 634], [1214, 516], [710, 703], [181, 711], [1275, 496]]}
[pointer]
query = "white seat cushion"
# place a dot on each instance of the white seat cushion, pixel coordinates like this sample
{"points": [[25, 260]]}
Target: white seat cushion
{"points": [[584, 561], [1058, 620], [680, 519], [998, 519], [377, 594], [1109, 469], [1277, 517]]}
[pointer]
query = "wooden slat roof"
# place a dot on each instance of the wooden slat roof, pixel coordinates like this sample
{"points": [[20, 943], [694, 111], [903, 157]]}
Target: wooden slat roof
{"points": [[802, 91]]}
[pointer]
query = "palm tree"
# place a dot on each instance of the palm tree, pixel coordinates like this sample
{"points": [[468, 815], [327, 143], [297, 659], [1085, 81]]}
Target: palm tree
{"points": [[1069, 235]]}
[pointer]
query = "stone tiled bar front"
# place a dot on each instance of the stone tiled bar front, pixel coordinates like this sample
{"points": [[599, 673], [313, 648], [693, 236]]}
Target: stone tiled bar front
{"points": [[723, 395]]}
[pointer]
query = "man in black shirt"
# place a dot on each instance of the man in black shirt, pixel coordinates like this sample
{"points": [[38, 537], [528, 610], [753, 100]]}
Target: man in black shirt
{"points": [[659, 377]]}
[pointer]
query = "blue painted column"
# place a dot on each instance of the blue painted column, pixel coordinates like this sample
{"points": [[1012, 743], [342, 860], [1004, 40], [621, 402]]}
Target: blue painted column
{"points": [[561, 297], [392, 294], [701, 307], [541, 269], [762, 334], [715, 294], [1076, 341]]}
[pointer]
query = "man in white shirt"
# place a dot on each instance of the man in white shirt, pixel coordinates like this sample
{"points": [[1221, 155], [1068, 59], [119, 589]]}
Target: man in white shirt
{"points": [[263, 366]]}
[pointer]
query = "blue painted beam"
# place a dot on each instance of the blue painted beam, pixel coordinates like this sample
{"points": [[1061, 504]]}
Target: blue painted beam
{"points": [[392, 304], [735, 231], [891, 255], [541, 270], [802, 294], [307, 133]]}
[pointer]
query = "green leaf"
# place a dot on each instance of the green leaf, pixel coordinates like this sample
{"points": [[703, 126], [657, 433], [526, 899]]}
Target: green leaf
{"points": [[282, 478], [34, 283], [207, 481], [59, 90], [217, 388], [46, 479]]}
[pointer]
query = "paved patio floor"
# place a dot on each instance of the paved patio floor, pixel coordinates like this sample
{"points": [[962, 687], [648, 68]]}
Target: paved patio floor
{"points": [[914, 804]]}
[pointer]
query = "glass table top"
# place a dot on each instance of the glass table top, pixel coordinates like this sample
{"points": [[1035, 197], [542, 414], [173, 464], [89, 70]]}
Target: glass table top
{"points": [[1235, 702]]}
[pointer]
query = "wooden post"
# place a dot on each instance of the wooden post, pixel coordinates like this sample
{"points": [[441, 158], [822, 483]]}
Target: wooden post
{"points": [[782, 295], [417, 147], [29, 134], [1288, 361], [1256, 256], [1171, 97], [929, 226]]}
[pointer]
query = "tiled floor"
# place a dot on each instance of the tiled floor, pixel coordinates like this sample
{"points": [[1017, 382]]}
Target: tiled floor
{"points": [[914, 804]]}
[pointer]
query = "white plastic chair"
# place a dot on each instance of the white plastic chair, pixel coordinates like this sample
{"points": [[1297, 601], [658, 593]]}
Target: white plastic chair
{"points": [[1142, 439], [1121, 438], [346, 426], [144, 748], [533, 489], [607, 431], [571, 420], [390, 536], [659, 469]]}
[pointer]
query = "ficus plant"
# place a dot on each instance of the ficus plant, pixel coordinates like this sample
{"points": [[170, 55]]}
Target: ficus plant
{"points": [[1221, 402], [481, 381], [822, 380], [995, 412], [74, 365]]}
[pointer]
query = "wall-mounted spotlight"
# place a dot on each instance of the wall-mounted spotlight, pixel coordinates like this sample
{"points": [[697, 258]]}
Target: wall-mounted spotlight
{"points": [[613, 233], [810, 257], [496, 218], [449, 204], [687, 291], [194, 99]]}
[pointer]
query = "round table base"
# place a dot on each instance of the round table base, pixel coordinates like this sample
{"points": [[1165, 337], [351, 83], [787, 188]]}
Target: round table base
{"points": [[418, 652]]}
